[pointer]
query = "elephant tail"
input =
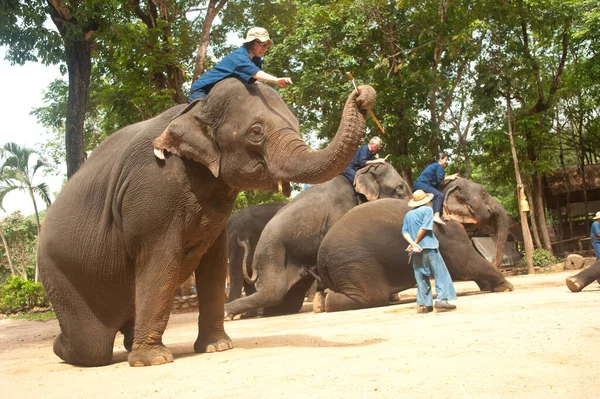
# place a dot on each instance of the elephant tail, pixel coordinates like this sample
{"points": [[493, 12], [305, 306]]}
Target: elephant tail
{"points": [[246, 244]]}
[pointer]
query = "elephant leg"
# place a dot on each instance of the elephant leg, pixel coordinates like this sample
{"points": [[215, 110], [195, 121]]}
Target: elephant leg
{"points": [[128, 330], [156, 281], [293, 301], [210, 281], [582, 279], [363, 289], [336, 301], [274, 282], [483, 285], [85, 338]]}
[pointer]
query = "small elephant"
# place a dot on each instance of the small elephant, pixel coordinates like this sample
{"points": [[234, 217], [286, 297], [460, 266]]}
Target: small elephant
{"points": [[243, 230], [363, 261], [286, 254], [584, 278], [149, 207], [469, 203]]}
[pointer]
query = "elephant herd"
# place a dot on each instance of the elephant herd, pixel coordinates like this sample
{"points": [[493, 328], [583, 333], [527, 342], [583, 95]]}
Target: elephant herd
{"points": [[355, 252], [151, 205]]}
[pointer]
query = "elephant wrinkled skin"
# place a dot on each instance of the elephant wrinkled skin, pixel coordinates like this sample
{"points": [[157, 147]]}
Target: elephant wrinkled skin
{"points": [[363, 259], [149, 207], [285, 257]]}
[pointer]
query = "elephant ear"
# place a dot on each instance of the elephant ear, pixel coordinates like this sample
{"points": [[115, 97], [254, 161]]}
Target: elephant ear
{"points": [[456, 206], [365, 183], [190, 136]]}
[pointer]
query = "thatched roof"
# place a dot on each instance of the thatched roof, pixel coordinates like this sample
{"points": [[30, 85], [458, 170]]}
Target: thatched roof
{"points": [[556, 181]]}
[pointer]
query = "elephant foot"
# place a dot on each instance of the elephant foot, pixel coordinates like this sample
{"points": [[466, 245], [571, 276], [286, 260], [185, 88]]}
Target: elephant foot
{"points": [[149, 355], [573, 284], [213, 344], [319, 302], [394, 297], [504, 287]]}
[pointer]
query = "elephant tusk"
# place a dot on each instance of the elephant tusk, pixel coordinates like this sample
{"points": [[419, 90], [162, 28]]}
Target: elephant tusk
{"points": [[159, 153], [280, 186]]}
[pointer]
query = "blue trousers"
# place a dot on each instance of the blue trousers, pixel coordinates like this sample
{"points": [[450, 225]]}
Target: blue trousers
{"points": [[425, 264], [438, 196], [596, 246]]}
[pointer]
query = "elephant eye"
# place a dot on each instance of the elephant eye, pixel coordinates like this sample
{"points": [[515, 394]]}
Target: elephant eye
{"points": [[255, 134]]}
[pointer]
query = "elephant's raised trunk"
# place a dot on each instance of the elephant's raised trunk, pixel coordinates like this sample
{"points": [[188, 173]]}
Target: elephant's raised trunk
{"points": [[500, 232], [293, 160]]}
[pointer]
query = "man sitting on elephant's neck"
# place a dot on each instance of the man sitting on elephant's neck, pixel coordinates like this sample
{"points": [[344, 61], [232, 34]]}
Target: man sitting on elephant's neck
{"points": [[430, 180], [244, 63], [417, 229], [364, 155]]}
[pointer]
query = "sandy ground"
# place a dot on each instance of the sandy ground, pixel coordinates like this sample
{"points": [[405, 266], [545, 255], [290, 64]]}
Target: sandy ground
{"points": [[540, 341]]}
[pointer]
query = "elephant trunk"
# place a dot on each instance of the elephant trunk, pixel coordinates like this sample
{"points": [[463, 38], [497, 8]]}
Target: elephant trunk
{"points": [[293, 160], [500, 232], [246, 246]]}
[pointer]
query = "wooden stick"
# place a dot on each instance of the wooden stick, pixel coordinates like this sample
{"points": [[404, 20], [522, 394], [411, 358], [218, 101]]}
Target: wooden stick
{"points": [[370, 112]]}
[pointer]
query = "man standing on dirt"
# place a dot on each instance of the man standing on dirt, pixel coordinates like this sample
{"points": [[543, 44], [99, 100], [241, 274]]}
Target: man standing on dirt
{"points": [[596, 235], [417, 229]]}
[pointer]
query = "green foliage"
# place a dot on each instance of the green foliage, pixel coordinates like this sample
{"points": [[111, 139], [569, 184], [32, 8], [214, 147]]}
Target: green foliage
{"points": [[256, 197], [35, 316], [19, 295], [540, 258], [20, 233]]}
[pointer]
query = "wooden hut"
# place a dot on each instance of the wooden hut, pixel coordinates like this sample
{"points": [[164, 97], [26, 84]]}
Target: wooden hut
{"points": [[572, 202]]}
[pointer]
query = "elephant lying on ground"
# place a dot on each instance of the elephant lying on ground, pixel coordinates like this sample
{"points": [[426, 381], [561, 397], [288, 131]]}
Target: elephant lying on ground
{"points": [[469, 203], [584, 278], [149, 207], [363, 259], [286, 254], [243, 230]]}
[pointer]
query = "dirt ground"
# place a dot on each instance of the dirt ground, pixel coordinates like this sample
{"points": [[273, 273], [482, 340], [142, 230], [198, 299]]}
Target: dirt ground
{"points": [[539, 341]]}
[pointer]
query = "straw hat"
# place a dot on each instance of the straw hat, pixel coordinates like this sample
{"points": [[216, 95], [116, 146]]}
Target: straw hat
{"points": [[420, 197], [597, 216], [259, 34]]}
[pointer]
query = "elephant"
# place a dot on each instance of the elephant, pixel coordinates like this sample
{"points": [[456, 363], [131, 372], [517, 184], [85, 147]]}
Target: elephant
{"points": [[470, 204], [243, 230], [362, 260], [584, 278], [149, 208], [285, 257]]}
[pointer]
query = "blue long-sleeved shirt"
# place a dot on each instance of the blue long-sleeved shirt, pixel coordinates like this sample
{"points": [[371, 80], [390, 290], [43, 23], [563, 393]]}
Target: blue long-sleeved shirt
{"points": [[238, 63], [433, 175]]}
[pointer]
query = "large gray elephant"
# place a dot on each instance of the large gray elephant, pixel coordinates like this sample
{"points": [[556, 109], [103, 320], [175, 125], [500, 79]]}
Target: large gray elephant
{"points": [[584, 278], [243, 230], [362, 259], [285, 257], [149, 207], [470, 204]]}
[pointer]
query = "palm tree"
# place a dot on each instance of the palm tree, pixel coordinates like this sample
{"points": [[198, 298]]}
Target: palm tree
{"points": [[16, 174]]}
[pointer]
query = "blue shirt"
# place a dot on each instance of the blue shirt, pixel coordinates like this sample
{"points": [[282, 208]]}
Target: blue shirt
{"points": [[361, 156], [595, 230], [417, 219], [433, 175], [237, 63]]}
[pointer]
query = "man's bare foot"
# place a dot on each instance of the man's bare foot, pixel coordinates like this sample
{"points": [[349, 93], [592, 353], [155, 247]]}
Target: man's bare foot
{"points": [[438, 220]]}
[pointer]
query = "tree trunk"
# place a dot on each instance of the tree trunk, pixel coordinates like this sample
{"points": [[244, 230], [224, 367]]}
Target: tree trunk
{"points": [[38, 226], [527, 243], [173, 72], [79, 66], [534, 227], [541, 214], [214, 7], [5, 244]]}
